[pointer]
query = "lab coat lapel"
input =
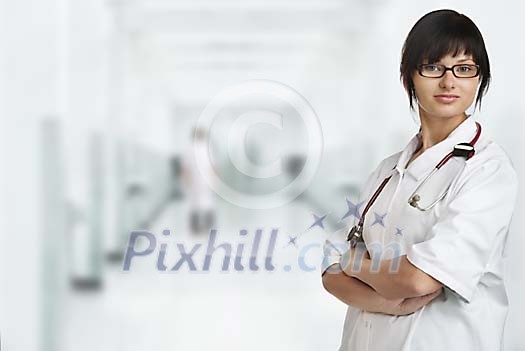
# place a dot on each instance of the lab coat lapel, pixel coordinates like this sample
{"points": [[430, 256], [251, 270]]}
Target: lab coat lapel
{"points": [[426, 162]]}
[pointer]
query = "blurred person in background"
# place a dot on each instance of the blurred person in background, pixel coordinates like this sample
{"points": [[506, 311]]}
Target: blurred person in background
{"points": [[425, 271], [195, 172]]}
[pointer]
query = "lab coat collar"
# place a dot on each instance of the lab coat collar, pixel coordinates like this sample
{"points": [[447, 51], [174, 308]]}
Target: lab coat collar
{"points": [[425, 162]]}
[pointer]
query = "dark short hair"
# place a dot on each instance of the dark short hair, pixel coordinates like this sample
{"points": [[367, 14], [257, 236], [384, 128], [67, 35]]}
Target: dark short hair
{"points": [[437, 34]]}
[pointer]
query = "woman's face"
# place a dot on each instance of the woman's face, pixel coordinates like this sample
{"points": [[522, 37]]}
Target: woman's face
{"points": [[447, 96]]}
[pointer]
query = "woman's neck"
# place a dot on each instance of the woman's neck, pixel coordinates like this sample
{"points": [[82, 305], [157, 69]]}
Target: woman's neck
{"points": [[435, 130]]}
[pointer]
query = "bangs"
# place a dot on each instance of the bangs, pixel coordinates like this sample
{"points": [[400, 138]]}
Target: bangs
{"points": [[453, 43]]}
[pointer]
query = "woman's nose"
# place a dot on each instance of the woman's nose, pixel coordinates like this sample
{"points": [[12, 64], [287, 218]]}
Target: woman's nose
{"points": [[448, 80]]}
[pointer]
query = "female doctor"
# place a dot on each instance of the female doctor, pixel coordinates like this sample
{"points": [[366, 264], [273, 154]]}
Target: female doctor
{"points": [[424, 267]]}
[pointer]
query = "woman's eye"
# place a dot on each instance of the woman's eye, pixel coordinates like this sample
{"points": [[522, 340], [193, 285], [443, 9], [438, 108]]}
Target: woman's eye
{"points": [[465, 68], [431, 68]]}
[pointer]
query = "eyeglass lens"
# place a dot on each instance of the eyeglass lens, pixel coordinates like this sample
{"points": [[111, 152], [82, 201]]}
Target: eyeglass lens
{"points": [[460, 71]]}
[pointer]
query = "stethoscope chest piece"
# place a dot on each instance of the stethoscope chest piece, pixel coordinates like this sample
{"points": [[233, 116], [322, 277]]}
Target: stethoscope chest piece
{"points": [[465, 150], [355, 235]]}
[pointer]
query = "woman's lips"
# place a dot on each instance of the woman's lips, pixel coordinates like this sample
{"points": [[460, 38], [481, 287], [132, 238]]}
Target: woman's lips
{"points": [[445, 98]]}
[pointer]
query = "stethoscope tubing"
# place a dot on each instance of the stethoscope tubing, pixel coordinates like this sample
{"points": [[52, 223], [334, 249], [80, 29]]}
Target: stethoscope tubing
{"points": [[466, 150]]}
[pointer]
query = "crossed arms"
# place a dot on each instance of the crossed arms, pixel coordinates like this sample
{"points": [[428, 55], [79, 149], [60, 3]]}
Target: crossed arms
{"points": [[393, 286]]}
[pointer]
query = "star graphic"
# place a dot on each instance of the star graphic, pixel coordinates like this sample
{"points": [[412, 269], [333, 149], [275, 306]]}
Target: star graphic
{"points": [[398, 232], [292, 240], [353, 210], [318, 221], [379, 219]]}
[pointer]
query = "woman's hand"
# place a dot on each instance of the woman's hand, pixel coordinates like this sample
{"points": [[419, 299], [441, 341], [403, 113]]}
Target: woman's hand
{"points": [[401, 307], [353, 258]]}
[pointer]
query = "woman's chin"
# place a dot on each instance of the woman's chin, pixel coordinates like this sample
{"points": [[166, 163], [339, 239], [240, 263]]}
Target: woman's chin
{"points": [[445, 112]]}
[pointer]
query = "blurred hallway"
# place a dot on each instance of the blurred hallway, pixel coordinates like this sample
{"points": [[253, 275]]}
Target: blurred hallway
{"points": [[149, 310]]}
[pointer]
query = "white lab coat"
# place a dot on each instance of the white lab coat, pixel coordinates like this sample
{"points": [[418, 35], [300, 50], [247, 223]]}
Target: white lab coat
{"points": [[460, 242]]}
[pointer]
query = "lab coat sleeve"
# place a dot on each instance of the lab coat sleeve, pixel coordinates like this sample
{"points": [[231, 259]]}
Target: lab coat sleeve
{"points": [[332, 252], [475, 220]]}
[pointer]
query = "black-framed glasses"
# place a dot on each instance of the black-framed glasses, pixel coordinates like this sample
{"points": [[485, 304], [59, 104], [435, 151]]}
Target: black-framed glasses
{"points": [[433, 70]]}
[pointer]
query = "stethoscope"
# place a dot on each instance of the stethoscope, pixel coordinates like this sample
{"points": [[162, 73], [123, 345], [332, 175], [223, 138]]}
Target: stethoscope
{"points": [[465, 150]]}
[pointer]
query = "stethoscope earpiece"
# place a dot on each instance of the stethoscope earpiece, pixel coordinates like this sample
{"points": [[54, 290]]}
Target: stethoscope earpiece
{"points": [[414, 200]]}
